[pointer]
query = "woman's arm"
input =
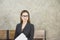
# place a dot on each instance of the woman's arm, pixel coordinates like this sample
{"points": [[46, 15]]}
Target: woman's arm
{"points": [[31, 33], [16, 32]]}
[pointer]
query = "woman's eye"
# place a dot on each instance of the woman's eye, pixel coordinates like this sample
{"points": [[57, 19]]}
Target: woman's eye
{"points": [[24, 15]]}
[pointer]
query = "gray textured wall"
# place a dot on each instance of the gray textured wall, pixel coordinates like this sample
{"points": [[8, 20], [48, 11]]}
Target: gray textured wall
{"points": [[45, 14]]}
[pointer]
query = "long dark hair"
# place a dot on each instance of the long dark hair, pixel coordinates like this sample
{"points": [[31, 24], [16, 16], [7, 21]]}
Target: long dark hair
{"points": [[28, 21]]}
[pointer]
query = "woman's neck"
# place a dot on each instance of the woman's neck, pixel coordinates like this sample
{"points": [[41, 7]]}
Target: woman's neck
{"points": [[25, 22]]}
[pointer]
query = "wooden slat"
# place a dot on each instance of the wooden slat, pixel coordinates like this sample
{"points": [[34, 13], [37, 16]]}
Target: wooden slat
{"points": [[11, 34], [2, 34]]}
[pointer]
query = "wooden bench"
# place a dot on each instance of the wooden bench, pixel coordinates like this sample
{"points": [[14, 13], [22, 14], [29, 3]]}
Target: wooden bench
{"points": [[38, 35]]}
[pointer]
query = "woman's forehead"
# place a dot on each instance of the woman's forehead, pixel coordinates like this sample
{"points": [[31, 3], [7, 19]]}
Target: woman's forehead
{"points": [[25, 13]]}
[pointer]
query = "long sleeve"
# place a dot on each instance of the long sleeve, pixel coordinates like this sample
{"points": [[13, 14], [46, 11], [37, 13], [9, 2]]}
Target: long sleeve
{"points": [[31, 33], [16, 32]]}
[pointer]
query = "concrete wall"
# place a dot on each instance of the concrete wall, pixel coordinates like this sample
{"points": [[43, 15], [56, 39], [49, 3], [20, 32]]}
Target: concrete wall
{"points": [[45, 14]]}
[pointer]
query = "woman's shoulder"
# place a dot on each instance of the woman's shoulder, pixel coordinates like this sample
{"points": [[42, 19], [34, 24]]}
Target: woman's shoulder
{"points": [[31, 25], [18, 24]]}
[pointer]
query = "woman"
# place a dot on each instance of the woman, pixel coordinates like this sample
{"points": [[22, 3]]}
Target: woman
{"points": [[25, 26]]}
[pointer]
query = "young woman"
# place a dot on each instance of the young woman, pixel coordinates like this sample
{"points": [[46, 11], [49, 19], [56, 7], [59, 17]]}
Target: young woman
{"points": [[25, 26]]}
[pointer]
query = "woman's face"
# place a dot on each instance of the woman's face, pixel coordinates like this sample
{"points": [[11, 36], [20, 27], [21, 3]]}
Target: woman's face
{"points": [[24, 17]]}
